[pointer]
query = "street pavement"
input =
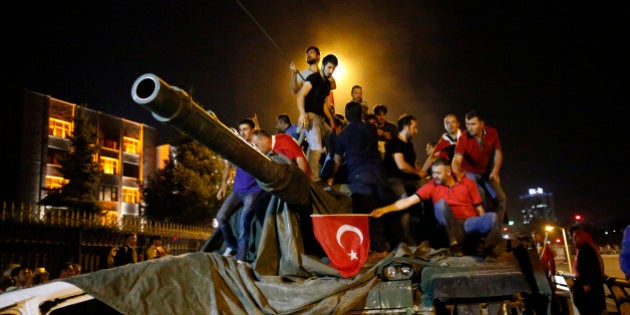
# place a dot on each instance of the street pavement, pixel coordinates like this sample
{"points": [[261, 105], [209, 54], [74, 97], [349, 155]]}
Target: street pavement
{"points": [[611, 268]]}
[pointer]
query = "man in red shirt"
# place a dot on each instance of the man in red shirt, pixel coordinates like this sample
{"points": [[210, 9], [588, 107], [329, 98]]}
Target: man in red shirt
{"points": [[457, 205], [445, 147], [478, 155], [281, 143]]}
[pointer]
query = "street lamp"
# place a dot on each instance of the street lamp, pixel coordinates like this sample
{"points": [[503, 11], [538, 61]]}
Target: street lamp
{"points": [[550, 228]]}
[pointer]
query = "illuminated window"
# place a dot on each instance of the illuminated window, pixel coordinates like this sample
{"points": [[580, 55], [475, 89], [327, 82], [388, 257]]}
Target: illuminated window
{"points": [[131, 195], [59, 128], [131, 145], [109, 165], [55, 181]]}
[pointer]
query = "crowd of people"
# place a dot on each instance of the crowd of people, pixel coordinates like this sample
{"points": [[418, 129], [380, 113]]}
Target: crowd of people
{"points": [[362, 153], [16, 276]]}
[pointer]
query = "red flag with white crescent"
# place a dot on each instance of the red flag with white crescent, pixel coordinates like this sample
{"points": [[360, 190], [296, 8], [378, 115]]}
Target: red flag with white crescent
{"points": [[345, 238]]}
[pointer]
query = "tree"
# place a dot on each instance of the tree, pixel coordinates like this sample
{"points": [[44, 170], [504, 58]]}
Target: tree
{"points": [[79, 169], [184, 190]]}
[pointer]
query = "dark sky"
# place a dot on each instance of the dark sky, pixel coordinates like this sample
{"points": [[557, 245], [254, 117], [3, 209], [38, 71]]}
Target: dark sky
{"points": [[547, 76]]}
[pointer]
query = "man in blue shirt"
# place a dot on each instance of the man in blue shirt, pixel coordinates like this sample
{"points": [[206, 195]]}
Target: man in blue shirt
{"points": [[357, 145], [284, 125], [624, 256]]}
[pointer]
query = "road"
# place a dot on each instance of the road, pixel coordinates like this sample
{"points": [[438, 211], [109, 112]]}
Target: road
{"points": [[611, 266]]}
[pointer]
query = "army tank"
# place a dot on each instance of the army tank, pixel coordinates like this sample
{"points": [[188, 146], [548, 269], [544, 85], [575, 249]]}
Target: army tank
{"points": [[288, 274], [174, 107]]}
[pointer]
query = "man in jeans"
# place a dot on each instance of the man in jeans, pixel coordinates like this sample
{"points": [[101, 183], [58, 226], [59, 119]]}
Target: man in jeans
{"points": [[245, 193], [457, 205], [357, 146], [478, 155]]}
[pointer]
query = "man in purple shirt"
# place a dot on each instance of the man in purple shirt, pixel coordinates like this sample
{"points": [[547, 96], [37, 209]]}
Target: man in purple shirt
{"points": [[245, 193]]}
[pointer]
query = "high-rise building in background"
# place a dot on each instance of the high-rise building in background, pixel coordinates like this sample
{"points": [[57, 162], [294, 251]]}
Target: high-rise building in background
{"points": [[35, 129], [537, 205]]}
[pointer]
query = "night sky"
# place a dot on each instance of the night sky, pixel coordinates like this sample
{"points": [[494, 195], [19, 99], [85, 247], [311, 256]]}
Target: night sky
{"points": [[547, 76]]}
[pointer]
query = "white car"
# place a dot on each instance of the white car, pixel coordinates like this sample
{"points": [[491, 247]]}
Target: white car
{"points": [[44, 299]]}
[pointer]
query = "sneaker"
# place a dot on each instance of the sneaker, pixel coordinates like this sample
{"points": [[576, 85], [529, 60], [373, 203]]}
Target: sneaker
{"points": [[229, 251]]}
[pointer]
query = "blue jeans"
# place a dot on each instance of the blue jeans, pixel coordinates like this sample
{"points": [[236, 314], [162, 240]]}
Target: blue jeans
{"points": [[456, 229], [231, 204], [490, 189], [369, 191]]}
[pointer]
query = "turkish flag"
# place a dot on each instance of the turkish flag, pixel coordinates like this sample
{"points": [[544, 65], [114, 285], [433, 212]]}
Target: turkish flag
{"points": [[345, 238]]}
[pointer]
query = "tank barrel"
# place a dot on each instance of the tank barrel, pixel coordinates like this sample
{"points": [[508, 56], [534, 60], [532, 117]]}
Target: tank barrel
{"points": [[173, 106]]}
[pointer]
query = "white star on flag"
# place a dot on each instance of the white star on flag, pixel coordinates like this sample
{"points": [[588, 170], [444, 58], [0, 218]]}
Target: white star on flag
{"points": [[345, 239]]}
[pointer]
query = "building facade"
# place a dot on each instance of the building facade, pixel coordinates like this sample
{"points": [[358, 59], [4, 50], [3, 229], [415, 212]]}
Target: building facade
{"points": [[537, 205], [35, 132]]}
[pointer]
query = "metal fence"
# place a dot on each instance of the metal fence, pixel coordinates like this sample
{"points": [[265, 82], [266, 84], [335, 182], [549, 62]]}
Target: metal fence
{"points": [[47, 238]]}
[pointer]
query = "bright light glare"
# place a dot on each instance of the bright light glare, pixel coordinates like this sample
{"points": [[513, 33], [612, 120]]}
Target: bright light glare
{"points": [[548, 228], [339, 73]]}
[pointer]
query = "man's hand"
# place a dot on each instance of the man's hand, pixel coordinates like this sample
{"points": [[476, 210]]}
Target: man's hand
{"points": [[377, 213], [221, 192], [255, 119], [303, 121], [330, 181], [495, 176], [421, 173], [293, 67]]}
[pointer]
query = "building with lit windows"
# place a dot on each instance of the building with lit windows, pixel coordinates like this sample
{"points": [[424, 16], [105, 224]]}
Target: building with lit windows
{"points": [[537, 205], [35, 130]]}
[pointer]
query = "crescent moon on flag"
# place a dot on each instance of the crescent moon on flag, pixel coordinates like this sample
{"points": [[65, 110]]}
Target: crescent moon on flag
{"points": [[348, 228]]}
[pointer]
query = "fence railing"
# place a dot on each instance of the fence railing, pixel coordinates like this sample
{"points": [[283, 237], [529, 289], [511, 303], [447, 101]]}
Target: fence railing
{"points": [[47, 238]]}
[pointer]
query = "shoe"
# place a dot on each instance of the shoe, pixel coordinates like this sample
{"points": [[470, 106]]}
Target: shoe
{"points": [[229, 251], [456, 250]]}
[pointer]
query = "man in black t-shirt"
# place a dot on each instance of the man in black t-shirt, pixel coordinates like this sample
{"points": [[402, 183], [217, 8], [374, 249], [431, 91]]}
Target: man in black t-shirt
{"points": [[403, 173], [315, 116]]}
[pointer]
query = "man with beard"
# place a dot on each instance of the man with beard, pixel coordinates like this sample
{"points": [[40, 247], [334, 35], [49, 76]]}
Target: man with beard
{"points": [[357, 96], [403, 175], [457, 205], [313, 105], [298, 78]]}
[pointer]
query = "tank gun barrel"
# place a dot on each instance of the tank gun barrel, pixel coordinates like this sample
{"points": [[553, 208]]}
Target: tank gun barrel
{"points": [[173, 106]]}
